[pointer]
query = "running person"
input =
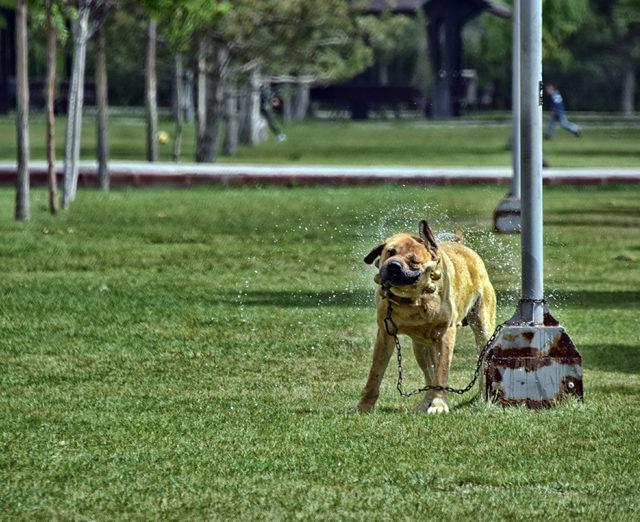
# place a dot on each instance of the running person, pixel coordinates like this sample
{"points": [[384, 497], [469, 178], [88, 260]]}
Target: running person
{"points": [[558, 115], [268, 101]]}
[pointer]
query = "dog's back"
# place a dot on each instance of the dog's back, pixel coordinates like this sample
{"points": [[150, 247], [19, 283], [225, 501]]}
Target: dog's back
{"points": [[469, 279]]}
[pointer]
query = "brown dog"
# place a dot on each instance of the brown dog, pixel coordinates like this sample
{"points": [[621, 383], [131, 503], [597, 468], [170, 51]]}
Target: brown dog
{"points": [[434, 288]]}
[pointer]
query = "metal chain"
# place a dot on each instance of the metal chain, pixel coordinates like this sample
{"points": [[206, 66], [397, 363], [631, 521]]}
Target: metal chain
{"points": [[388, 321]]}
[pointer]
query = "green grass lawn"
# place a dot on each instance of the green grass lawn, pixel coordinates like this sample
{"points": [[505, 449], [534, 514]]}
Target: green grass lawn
{"points": [[169, 354], [368, 143]]}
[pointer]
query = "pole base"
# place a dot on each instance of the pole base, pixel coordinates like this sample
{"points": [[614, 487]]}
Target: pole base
{"points": [[506, 217], [536, 365]]}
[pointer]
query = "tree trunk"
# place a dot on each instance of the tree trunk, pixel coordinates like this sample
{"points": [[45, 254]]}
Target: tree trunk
{"points": [[421, 79], [250, 111], [179, 79], [80, 33], [52, 41], [230, 143], [102, 132], [22, 113], [207, 147], [287, 105], [203, 54], [151, 96], [189, 107], [243, 108], [628, 90], [301, 101]]}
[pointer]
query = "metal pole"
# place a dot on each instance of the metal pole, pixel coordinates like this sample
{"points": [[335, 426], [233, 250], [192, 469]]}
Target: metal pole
{"points": [[530, 362], [531, 160], [507, 215], [515, 100]]}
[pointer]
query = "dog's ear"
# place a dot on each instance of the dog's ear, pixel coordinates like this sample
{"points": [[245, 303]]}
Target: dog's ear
{"points": [[427, 236], [374, 254]]}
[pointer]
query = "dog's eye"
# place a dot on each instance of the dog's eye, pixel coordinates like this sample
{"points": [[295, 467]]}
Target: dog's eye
{"points": [[391, 252]]}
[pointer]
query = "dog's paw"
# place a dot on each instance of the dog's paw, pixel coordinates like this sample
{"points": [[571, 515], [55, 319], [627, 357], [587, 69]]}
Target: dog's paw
{"points": [[360, 408], [436, 405]]}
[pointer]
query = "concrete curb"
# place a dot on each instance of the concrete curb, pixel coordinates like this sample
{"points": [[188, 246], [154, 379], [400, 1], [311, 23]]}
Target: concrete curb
{"points": [[188, 175]]}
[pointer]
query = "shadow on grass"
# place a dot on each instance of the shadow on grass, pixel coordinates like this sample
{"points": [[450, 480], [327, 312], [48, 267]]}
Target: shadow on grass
{"points": [[285, 298], [596, 298], [611, 389], [627, 210], [365, 298], [630, 222], [473, 399], [622, 358]]}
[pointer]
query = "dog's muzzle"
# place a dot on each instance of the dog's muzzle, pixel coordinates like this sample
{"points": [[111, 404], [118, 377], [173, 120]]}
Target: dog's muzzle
{"points": [[396, 273]]}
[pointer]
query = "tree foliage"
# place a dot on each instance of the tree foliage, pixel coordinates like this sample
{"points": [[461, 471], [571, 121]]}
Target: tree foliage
{"points": [[560, 21], [588, 44], [320, 38], [183, 19], [614, 27]]}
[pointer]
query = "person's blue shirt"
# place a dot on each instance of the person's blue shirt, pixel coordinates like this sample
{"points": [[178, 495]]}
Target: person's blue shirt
{"points": [[556, 102]]}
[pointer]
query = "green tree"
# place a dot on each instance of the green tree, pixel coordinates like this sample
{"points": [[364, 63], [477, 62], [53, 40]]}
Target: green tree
{"points": [[307, 41], [489, 43], [86, 16], [560, 21], [615, 26], [52, 41], [182, 21], [320, 38], [48, 21]]}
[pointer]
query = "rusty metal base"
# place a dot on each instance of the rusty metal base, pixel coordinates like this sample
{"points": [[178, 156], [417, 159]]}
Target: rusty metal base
{"points": [[534, 365], [506, 217]]}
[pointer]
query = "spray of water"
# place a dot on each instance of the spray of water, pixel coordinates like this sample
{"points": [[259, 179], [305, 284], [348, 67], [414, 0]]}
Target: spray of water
{"points": [[356, 288]]}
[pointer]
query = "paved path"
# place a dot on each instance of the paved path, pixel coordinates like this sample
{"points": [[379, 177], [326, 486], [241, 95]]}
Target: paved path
{"points": [[190, 174]]}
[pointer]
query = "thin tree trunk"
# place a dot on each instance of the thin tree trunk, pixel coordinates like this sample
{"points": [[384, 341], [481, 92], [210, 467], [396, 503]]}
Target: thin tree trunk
{"points": [[287, 106], [80, 32], [207, 148], [189, 108], [628, 90], [203, 52], [151, 92], [243, 109], [102, 131], [250, 111], [22, 112], [52, 40], [230, 142], [177, 141], [301, 101]]}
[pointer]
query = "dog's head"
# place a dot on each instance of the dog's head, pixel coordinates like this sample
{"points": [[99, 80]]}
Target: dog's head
{"points": [[407, 262]]}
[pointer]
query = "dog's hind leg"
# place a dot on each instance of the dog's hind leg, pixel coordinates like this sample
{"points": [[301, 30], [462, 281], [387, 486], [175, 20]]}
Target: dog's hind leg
{"points": [[482, 317], [381, 355], [482, 320]]}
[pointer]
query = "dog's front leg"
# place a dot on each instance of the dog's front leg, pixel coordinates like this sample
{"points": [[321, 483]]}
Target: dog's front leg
{"points": [[381, 355], [434, 360]]}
